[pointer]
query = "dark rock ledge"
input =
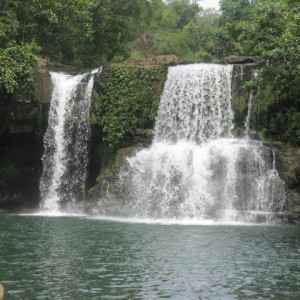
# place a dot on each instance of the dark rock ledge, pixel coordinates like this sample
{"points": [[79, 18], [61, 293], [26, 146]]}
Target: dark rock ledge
{"points": [[232, 59]]}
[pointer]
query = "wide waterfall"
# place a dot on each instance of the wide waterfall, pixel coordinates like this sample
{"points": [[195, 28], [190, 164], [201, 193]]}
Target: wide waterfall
{"points": [[195, 104], [195, 168], [65, 141]]}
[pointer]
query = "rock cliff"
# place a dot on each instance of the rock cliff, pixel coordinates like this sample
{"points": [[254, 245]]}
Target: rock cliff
{"points": [[124, 107]]}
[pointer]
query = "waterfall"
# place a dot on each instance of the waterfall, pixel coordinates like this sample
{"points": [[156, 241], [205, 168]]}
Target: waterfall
{"points": [[247, 121], [249, 110], [195, 168], [195, 104], [65, 141]]}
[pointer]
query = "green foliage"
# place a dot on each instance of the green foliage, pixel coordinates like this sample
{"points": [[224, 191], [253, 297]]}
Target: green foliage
{"points": [[285, 126], [184, 10], [17, 72], [179, 27], [114, 24], [273, 32], [129, 101], [89, 32], [270, 29], [86, 33], [8, 25], [236, 16]]}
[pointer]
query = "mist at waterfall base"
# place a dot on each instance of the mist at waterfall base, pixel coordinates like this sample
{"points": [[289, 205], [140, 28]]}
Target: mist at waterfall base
{"points": [[195, 170]]}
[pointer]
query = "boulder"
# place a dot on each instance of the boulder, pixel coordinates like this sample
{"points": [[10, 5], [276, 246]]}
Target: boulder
{"points": [[160, 60], [232, 59], [58, 67]]}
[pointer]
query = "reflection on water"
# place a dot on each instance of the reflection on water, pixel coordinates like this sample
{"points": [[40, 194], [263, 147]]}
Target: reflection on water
{"points": [[79, 258]]}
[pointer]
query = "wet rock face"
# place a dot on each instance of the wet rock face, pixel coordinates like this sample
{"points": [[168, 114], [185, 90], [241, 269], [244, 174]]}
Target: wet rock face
{"points": [[27, 116], [20, 167], [23, 118], [42, 84], [289, 166], [32, 117], [21, 143], [112, 162], [232, 59], [289, 170]]}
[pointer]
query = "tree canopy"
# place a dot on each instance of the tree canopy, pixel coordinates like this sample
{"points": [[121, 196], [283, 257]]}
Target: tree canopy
{"points": [[86, 32]]}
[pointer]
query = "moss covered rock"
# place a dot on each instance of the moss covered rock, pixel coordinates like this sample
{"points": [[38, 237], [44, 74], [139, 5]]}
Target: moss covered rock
{"points": [[125, 98], [289, 169], [124, 107]]}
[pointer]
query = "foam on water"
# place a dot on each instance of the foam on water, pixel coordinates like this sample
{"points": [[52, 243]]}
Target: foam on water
{"points": [[146, 221], [54, 214]]}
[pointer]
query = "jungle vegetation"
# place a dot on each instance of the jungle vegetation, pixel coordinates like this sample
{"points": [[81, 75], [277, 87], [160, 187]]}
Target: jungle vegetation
{"points": [[89, 33]]}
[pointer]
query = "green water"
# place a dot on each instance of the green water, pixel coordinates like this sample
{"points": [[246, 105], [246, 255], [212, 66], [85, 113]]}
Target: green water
{"points": [[81, 258]]}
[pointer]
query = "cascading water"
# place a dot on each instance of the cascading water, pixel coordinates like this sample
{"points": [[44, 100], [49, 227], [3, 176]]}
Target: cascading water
{"points": [[195, 168], [250, 102], [247, 121], [65, 141], [195, 104]]}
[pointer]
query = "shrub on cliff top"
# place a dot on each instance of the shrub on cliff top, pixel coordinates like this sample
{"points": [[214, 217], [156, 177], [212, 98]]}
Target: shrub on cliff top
{"points": [[17, 72]]}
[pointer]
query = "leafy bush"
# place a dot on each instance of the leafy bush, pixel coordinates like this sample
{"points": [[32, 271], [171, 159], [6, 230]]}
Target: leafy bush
{"points": [[286, 126], [128, 101], [17, 72]]}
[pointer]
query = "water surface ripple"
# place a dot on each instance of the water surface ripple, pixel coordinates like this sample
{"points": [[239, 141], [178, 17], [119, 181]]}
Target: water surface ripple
{"points": [[78, 258]]}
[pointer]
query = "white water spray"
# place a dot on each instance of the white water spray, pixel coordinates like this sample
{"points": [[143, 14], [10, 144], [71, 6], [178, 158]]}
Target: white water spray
{"points": [[195, 169], [65, 141]]}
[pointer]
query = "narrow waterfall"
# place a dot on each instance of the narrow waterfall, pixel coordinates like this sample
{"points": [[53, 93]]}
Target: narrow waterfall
{"points": [[195, 168], [247, 121], [65, 141]]}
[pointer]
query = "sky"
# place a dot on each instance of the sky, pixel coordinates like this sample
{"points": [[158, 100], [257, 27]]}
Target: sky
{"points": [[209, 4]]}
